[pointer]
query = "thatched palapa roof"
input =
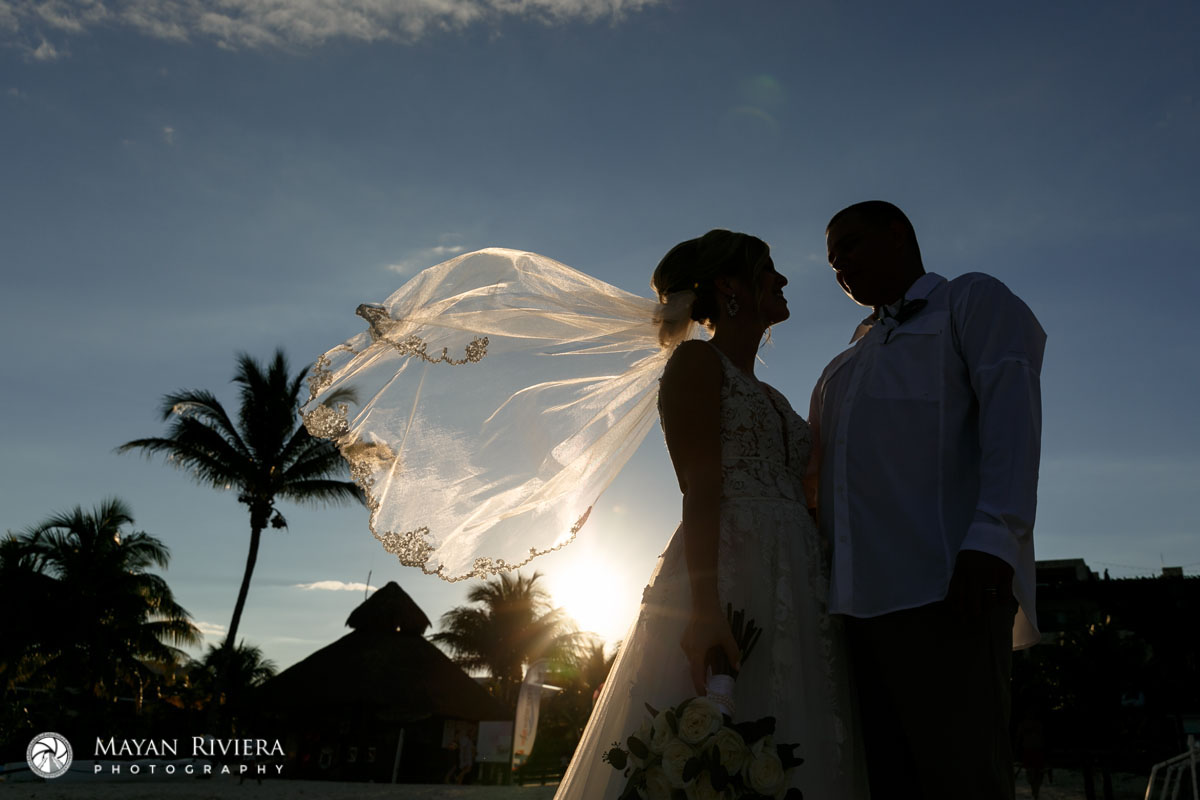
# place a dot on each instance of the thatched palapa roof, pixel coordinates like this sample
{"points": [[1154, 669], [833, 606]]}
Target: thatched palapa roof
{"points": [[385, 668], [389, 609]]}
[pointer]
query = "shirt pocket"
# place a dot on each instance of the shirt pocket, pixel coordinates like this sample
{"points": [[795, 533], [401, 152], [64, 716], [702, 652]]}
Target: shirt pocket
{"points": [[908, 364]]}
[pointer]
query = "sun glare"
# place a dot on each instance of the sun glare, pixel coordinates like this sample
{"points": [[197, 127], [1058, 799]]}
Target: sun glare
{"points": [[600, 598]]}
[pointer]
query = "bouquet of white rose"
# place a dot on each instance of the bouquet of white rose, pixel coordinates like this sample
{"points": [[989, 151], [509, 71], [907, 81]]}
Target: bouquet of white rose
{"points": [[695, 751]]}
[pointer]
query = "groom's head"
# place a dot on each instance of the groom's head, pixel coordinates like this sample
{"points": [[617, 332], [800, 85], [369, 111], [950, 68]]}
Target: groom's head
{"points": [[873, 251]]}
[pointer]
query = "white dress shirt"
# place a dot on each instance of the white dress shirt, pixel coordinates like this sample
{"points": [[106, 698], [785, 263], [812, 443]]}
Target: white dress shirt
{"points": [[927, 436]]}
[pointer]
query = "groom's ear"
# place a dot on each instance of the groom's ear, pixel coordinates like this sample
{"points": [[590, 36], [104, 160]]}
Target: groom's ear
{"points": [[900, 239]]}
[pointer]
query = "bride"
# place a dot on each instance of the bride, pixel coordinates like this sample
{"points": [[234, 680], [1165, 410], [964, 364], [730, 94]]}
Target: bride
{"points": [[472, 463], [746, 539]]}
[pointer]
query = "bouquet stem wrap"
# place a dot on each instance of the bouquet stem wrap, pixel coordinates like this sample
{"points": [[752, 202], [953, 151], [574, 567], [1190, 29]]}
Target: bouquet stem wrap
{"points": [[719, 689]]}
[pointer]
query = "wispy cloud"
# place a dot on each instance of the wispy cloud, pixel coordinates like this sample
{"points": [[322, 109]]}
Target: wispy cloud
{"points": [[334, 586], [249, 24], [168, 134], [8, 18], [211, 629], [45, 52], [427, 257]]}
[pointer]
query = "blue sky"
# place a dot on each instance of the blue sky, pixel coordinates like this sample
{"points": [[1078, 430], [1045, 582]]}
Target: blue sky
{"points": [[181, 181]]}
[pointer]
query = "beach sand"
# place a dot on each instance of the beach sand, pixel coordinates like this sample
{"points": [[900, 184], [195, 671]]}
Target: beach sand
{"points": [[1067, 786]]}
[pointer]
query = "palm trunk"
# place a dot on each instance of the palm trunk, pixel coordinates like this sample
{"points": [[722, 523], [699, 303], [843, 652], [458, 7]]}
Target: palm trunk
{"points": [[240, 605], [225, 663]]}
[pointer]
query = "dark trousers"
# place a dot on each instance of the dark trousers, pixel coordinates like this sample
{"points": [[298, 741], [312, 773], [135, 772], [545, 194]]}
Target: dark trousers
{"points": [[935, 699]]}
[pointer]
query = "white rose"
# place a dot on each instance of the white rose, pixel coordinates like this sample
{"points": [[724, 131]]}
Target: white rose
{"points": [[702, 789], [700, 720], [656, 787], [660, 733], [731, 750], [674, 758], [764, 773], [766, 743], [642, 734]]}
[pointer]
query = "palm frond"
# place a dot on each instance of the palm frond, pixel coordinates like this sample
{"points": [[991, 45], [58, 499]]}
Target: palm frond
{"points": [[320, 459], [143, 550], [321, 491], [194, 447], [269, 399], [203, 405]]}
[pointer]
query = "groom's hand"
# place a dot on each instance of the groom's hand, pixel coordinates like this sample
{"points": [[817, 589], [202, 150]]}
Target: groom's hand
{"points": [[979, 581]]}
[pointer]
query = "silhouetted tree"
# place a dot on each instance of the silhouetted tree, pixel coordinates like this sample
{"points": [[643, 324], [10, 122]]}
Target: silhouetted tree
{"points": [[267, 456], [248, 669], [511, 624], [580, 672], [97, 614]]}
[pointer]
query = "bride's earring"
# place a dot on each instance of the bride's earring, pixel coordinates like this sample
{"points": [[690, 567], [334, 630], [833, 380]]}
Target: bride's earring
{"points": [[731, 305]]}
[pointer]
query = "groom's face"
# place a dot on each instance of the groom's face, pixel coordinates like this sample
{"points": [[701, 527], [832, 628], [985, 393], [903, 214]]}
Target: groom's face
{"points": [[866, 260]]}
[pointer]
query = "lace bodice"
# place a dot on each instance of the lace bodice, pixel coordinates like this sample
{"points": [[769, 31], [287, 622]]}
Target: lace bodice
{"points": [[765, 445]]}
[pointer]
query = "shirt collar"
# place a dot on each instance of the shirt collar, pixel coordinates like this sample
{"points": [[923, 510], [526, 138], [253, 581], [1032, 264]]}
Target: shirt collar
{"points": [[921, 288]]}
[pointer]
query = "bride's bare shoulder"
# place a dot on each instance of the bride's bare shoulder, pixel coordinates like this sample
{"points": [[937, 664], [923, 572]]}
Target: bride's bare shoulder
{"points": [[694, 356], [692, 375]]}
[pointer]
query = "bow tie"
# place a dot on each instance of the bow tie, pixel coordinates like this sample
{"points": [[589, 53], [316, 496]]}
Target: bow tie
{"points": [[888, 320], [906, 310]]}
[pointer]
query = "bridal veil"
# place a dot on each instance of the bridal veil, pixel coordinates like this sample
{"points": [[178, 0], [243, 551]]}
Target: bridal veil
{"points": [[499, 393]]}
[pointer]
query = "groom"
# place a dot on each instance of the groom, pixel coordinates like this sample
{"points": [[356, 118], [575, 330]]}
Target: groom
{"points": [[927, 433]]}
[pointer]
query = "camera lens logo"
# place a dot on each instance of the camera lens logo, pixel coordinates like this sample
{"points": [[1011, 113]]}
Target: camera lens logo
{"points": [[48, 755]]}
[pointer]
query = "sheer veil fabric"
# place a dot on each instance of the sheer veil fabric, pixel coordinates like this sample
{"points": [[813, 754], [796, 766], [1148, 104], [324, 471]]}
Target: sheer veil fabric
{"points": [[498, 394]]}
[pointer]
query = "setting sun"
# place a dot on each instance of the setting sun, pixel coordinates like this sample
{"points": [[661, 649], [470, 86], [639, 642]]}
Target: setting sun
{"points": [[597, 594]]}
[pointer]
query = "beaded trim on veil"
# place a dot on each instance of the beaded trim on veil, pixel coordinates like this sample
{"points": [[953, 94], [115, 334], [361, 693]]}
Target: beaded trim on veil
{"points": [[498, 394]]}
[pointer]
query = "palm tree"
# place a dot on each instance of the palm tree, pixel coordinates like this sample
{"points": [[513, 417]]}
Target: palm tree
{"points": [[102, 614], [23, 587], [512, 625], [248, 669], [579, 673], [267, 456]]}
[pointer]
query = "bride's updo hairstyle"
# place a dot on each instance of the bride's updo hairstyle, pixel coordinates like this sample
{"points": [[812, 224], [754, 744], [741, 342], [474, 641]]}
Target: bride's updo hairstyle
{"points": [[687, 273]]}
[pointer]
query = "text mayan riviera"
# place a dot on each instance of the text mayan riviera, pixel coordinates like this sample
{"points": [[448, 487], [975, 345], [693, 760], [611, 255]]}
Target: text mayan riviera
{"points": [[201, 747]]}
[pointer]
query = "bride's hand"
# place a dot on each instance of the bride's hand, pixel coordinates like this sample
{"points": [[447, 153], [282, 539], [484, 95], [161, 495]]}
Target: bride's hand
{"points": [[703, 633]]}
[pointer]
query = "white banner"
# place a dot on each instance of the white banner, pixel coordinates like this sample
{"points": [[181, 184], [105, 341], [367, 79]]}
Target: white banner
{"points": [[528, 704]]}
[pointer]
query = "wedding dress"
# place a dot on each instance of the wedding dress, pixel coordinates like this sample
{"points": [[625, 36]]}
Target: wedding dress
{"points": [[771, 563]]}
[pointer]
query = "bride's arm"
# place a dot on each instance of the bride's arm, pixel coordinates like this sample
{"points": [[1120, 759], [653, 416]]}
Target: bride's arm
{"points": [[690, 399]]}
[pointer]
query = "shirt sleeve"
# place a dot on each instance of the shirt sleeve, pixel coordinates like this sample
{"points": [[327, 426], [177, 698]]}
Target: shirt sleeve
{"points": [[813, 470], [1002, 345]]}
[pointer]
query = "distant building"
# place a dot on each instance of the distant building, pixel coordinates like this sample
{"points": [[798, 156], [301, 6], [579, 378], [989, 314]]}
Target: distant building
{"points": [[1066, 599], [381, 700], [1138, 636], [1071, 596]]}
